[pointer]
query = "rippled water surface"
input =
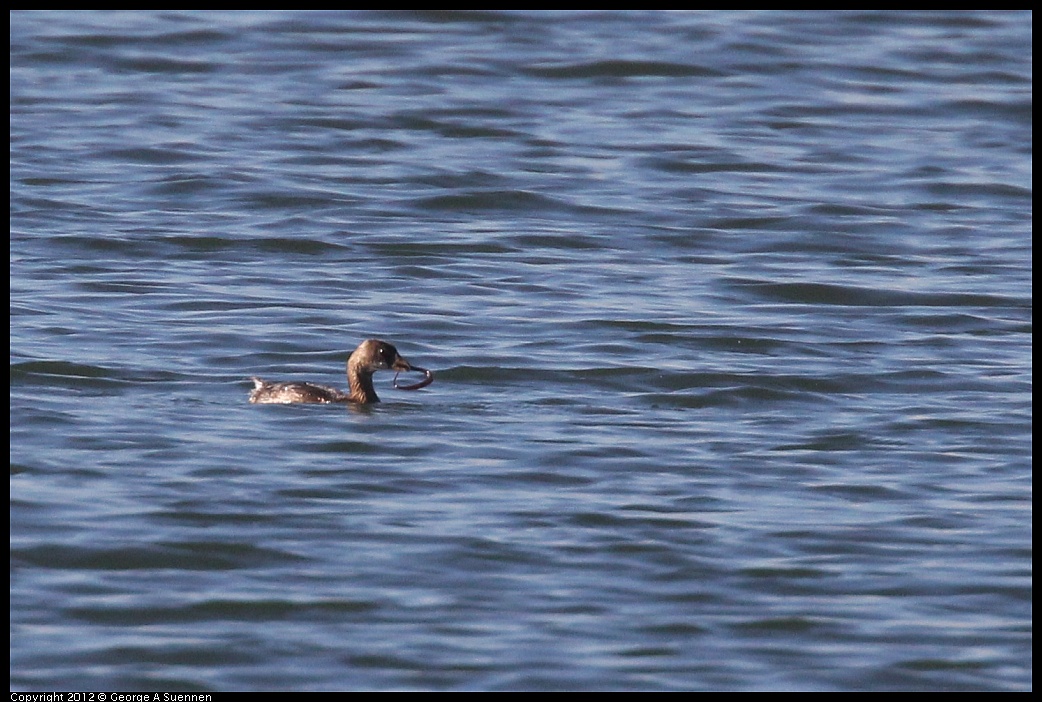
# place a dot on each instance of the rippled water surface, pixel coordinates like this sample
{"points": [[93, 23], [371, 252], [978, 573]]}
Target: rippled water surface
{"points": [[730, 316]]}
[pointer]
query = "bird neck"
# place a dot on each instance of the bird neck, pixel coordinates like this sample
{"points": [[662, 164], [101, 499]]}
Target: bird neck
{"points": [[360, 384]]}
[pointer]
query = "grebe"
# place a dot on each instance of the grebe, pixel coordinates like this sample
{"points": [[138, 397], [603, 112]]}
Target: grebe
{"points": [[370, 356]]}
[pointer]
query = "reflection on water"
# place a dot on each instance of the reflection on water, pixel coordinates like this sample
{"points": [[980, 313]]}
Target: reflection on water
{"points": [[730, 315]]}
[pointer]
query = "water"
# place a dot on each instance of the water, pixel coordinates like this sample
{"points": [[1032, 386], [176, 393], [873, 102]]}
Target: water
{"points": [[730, 315]]}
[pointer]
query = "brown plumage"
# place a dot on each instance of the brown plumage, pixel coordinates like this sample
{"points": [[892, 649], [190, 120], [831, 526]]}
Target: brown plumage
{"points": [[370, 356]]}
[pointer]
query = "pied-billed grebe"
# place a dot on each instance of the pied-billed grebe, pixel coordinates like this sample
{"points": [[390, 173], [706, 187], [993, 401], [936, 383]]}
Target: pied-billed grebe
{"points": [[370, 356]]}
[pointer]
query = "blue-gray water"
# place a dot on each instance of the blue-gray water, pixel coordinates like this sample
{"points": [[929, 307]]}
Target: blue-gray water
{"points": [[730, 316]]}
